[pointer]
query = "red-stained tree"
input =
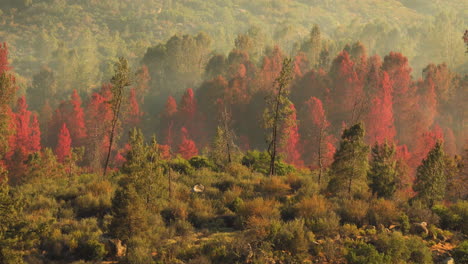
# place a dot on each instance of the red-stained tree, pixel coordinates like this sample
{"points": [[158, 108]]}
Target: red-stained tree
{"points": [[35, 138], [4, 65], [271, 68], [405, 99], [289, 145], [425, 143], [347, 92], [317, 146], [167, 121], [75, 122], [63, 148], [187, 147], [187, 109], [380, 125], [133, 114], [98, 117]]}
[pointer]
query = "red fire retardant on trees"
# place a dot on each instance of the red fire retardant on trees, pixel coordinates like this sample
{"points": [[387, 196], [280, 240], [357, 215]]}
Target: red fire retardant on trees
{"points": [[380, 126], [289, 146], [63, 149], [187, 147]]}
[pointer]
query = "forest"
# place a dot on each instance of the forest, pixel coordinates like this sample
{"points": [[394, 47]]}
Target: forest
{"points": [[270, 131]]}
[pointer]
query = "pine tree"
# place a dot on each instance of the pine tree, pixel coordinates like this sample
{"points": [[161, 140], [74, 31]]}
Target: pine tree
{"points": [[129, 214], [350, 166], [63, 149], [431, 178], [277, 110], [383, 170], [120, 81]]}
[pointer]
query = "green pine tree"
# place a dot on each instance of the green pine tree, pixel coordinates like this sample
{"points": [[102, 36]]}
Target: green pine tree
{"points": [[431, 178], [348, 171], [383, 170]]}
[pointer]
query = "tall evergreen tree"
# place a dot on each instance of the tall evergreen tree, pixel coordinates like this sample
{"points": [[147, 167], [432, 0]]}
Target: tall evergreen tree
{"points": [[383, 170], [431, 178], [120, 81], [277, 111], [349, 169]]}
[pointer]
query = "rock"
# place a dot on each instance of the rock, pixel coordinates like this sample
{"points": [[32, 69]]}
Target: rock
{"points": [[448, 260], [115, 247], [198, 188]]}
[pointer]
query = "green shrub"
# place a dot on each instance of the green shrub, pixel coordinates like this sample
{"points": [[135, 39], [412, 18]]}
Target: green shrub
{"points": [[260, 162], [181, 165], [460, 253], [404, 223], [290, 237], [362, 253], [453, 217], [199, 162], [91, 250]]}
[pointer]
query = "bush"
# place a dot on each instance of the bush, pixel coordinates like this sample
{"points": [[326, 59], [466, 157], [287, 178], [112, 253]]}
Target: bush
{"points": [[354, 211], [362, 253], [460, 253], [177, 211], [260, 162], [394, 245], [260, 208], [383, 212], [91, 250], [199, 162], [290, 237], [454, 217], [273, 187], [181, 165], [318, 215]]}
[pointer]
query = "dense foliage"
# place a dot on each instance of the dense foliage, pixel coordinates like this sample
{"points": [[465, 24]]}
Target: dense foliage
{"points": [[214, 146]]}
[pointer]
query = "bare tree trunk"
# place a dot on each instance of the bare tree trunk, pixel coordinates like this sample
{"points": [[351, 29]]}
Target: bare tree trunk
{"points": [[320, 161], [112, 132]]}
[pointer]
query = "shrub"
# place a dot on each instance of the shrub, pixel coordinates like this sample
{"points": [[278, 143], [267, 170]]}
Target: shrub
{"points": [[199, 162], [260, 208], [454, 217], [289, 237], [201, 212], [91, 250], [404, 223], [237, 170], [180, 165], [260, 162], [273, 187], [318, 215], [418, 212], [176, 211], [353, 211], [420, 253], [362, 253], [460, 253], [383, 212]]}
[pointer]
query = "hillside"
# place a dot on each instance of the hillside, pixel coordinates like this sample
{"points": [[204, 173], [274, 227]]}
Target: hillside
{"points": [[98, 31]]}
